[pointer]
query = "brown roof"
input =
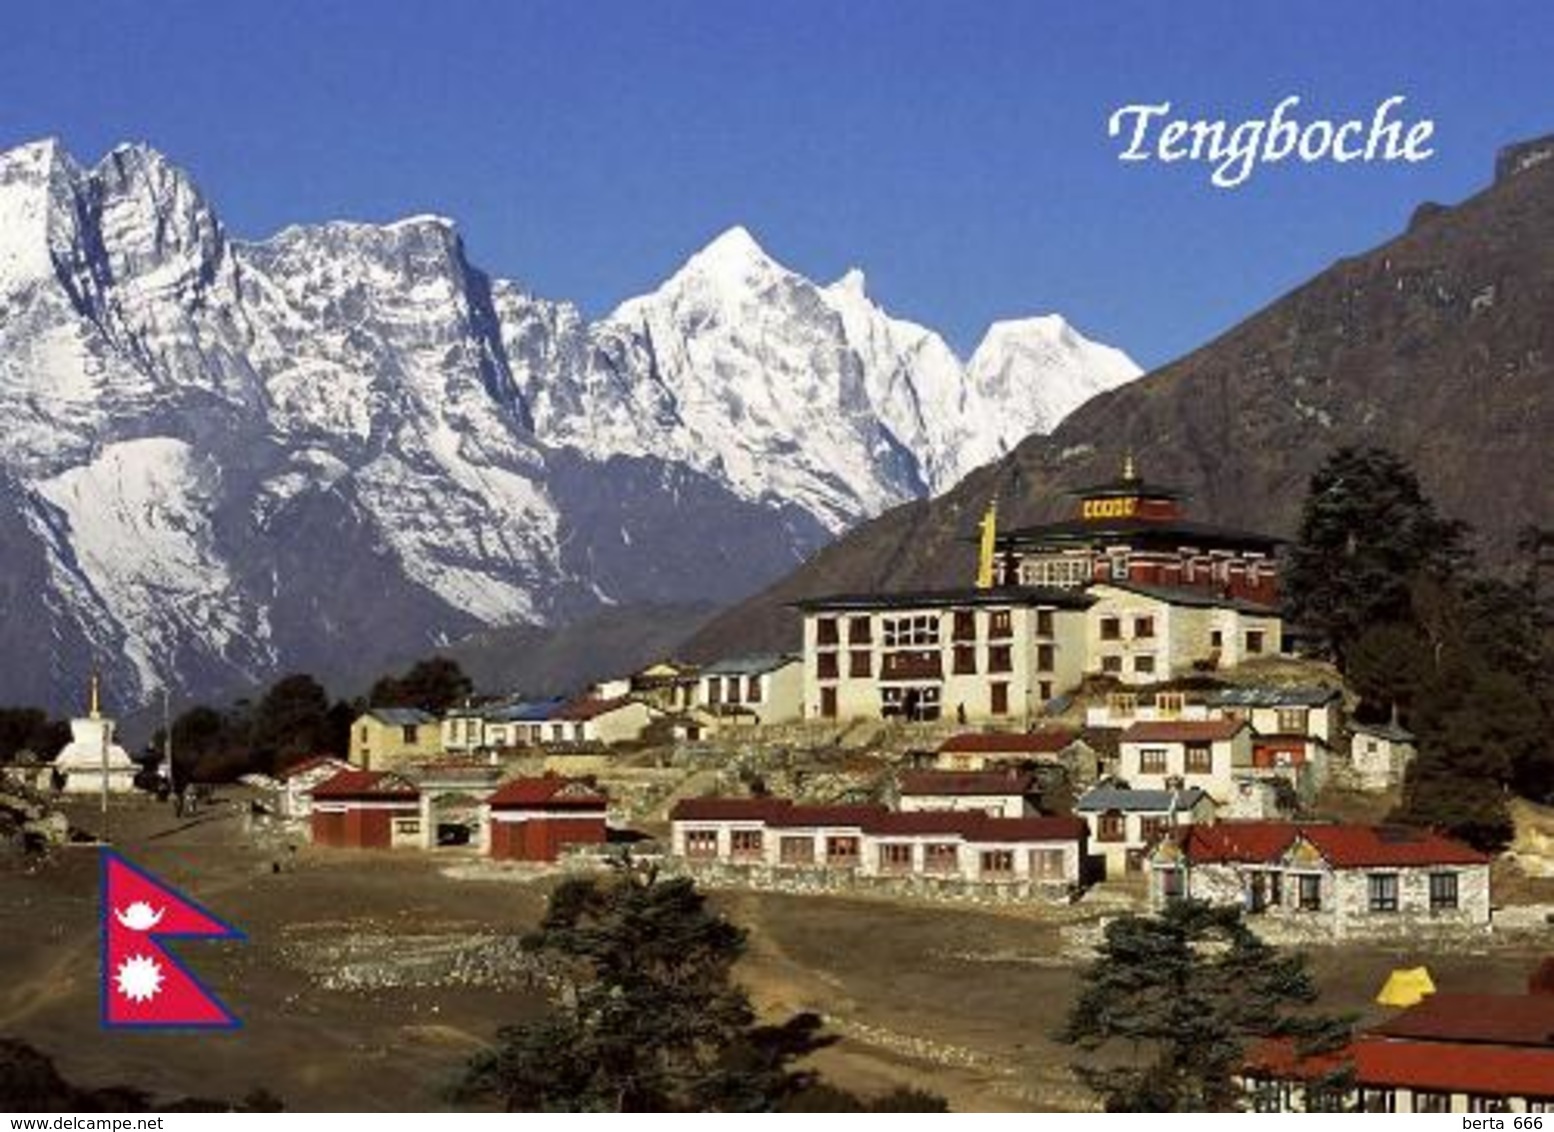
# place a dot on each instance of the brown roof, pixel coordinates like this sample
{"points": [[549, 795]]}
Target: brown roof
{"points": [[1183, 731], [791, 817], [726, 809], [1032, 829], [1342, 846], [992, 742], [588, 707], [1442, 1067], [363, 785], [1500, 1019], [950, 783], [551, 791]]}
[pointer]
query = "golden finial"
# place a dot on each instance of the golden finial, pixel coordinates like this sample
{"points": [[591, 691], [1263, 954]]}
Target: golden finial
{"points": [[95, 708], [1128, 471]]}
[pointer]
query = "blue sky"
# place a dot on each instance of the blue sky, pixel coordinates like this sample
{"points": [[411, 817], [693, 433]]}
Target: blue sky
{"points": [[958, 153]]}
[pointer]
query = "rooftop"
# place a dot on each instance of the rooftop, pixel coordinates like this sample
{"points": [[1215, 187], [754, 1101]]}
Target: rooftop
{"points": [[972, 826], [952, 783], [548, 790], [1099, 799], [1183, 730], [1137, 531], [401, 716], [1446, 1067], [1032, 596], [366, 784], [1189, 597], [995, 742], [1500, 1019], [1340, 845], [753, 665], [1268, 695]]}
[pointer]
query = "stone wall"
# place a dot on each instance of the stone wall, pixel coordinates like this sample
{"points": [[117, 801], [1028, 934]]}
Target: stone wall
{"points": [[848, 882]]}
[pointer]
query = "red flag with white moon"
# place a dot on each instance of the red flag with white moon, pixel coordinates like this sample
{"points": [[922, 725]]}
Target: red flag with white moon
{"points": [[144, 984]]}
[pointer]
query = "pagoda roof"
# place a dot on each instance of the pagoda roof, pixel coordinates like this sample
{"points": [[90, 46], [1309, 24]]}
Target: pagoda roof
{"points": [[1128, 486]]}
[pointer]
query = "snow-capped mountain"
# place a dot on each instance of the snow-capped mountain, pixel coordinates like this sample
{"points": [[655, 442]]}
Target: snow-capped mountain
{"points": [[218, 458]]}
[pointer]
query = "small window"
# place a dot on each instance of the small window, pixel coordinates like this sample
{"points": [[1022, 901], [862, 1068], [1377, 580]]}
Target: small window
{"points": [[1443, 891], [1152, 760], [997, 862], [828, 703], [753, 689], [896, 857], [1254, 641], [842, 851], [858, 631], [826, 666], [941, 857], [826, 632], [1112, 826], [1046, 658], [1144, 627], [1044, 690], [1308, 893], [998, 698], [1048, 864], [1431, 1102], [1378, 1100], [1044, 623], [1145, 665], [1488, 1104], [1111, 665], [793, 850], [1000, 658], [745, 843], [701, 843], [965, 625], [1200, 758], [1292, 721], [965, 660], [858, 663], [1000, 625], [1383, 892], [408, 733], [1111, 629], [1216, 639]]}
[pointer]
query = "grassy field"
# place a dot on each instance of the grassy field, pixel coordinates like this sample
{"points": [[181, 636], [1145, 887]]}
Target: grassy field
{"points": [[345, 1003]]}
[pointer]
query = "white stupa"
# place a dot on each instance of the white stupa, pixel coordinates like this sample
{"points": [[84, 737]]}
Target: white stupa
{"points": [[91, 745]]}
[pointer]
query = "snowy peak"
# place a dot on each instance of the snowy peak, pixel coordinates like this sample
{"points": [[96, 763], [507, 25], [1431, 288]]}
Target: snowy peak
{"points": [[1042, 369]]}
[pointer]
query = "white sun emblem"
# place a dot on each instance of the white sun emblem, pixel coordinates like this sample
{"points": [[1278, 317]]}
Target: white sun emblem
{"points": [[140, 916], [139, 978]]}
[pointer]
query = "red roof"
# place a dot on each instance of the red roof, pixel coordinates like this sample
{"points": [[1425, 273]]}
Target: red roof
{"points": [[926, 823], [1032, 829], [792, 817], [314, 763], [588, 707], [1025, 743], [552, 791], [366, 784], [1183, 731], [1342, 846], [1355, 846], [940, 783], [726, 809], [1500, 1019], [1446, 1067]]}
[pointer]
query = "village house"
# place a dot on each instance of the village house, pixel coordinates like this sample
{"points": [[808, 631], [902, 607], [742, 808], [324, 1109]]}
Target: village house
{"points": [[591, 722], [1338, 880], [764, 689], [1033, 856], [295, 784], [969, 655], [1007, 793], [1379, 753], [1184, 754], [1122, 709], [366, 809], [1293, 728], [1146, 634], [383, 738], [1452, 1053], [534, 819], [989, 750], [521, 723], [1131, 532], [1125, 823], [668, 685]]}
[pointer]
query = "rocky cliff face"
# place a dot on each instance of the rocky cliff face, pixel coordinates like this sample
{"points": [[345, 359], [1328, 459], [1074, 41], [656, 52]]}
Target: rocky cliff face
{"points": [[221, 459], [1438, 345]]}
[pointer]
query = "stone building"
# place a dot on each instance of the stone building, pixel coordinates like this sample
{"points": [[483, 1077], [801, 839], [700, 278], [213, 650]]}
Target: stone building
{"points": [[1207, 754], [383, 738], [1007, 793], [1125, 824], [1334, 880], [1379, 754]]}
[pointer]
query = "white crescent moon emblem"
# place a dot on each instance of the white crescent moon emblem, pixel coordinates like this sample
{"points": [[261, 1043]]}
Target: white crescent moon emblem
{"points": [[139, 916]]}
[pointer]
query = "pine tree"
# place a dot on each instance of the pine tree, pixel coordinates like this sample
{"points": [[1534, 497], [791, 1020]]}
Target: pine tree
{"points": [[1184, 993]]}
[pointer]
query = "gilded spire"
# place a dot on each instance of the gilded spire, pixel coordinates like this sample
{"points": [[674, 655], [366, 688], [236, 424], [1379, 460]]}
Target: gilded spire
{"points": [[1129, 472]]}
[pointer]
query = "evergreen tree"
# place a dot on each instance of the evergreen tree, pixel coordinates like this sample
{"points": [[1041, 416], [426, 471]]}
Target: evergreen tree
{"points": [[1366, 533], [648, 1017], [1183, 994], [291, 722], [434, 684]]}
